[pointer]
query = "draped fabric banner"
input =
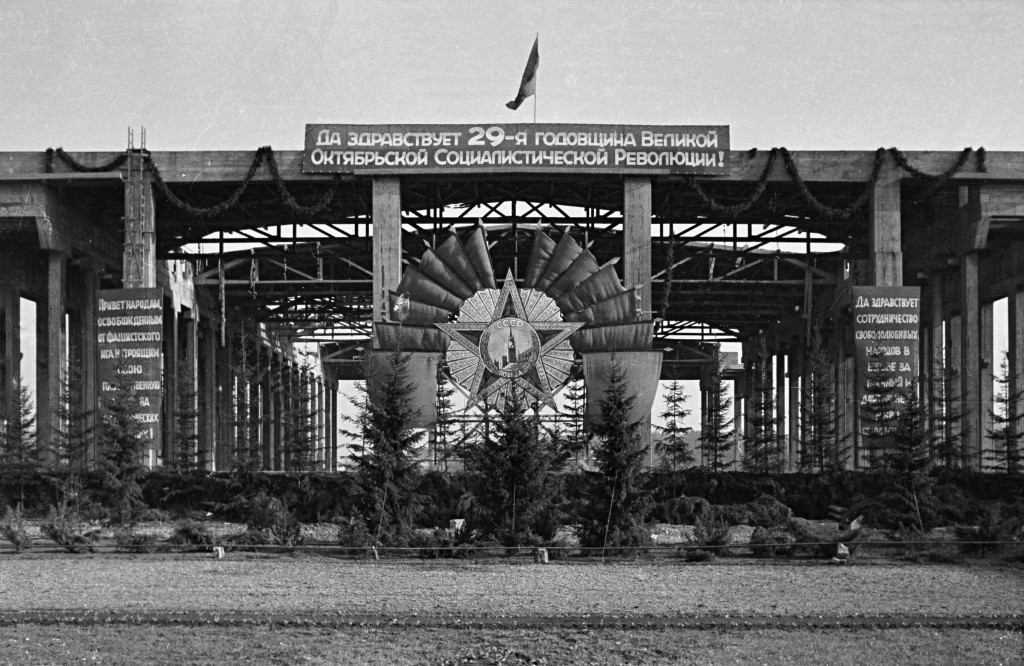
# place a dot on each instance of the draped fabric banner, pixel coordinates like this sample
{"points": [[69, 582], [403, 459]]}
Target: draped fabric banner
{"points": [[643, 368], [422, 376], [391, 337], [621, 338]]}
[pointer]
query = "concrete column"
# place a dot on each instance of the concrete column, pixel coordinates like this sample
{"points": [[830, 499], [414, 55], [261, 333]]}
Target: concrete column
{"points": [[267, 408], [705, 404], [954, 377], [190, 372], [332, 420], [794, 363], [10, 348], [139, 265], [737, 418], [781, 432], [986, 376], [50, 356], [280, 409], [885, 230], [209, 403], [172, 348], [934, 364], [970, 362], [1015, 354], [321, 448], [636, 239], [387, 241]]}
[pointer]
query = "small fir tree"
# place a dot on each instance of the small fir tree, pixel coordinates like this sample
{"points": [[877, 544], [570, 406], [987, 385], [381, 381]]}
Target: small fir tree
{"points": [[123, 441], [619, 502], [674, 445], [574, 408], [384, 451], [908, 457], [761, 447], [1007, 431], [879, 407], [247, 456], [821, 447], [186, 415], [300, 431], [75, 432], [946, 436], [513, 468], [718, 435], [446, 433], [20, 451]]}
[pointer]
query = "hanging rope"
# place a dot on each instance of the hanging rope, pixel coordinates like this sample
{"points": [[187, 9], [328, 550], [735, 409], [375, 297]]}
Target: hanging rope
{"points": [[75, 165]]}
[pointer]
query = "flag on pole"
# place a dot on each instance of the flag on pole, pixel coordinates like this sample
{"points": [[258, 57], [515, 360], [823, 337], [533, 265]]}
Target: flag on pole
{"points": [[528, 86]]}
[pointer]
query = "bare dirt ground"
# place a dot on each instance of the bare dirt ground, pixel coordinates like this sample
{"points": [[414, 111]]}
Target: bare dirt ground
{"points": [[189, 608]]}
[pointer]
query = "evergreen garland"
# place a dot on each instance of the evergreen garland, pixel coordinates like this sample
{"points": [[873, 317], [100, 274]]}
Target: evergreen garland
{"points": [[75, 165]]}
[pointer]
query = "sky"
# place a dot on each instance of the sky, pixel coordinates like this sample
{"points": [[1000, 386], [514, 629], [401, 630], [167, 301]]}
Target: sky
{"points": [[937, 75], [233, 74]]}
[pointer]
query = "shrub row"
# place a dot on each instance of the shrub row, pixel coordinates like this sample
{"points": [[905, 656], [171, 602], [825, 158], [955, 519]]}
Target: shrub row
{"points": [[960, 497]]}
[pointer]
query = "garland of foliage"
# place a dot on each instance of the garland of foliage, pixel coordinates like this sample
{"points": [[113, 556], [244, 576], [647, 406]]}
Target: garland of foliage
{"points": [[740, 208], [75, 165], [825, 211], [939, 181], [263, 154]]}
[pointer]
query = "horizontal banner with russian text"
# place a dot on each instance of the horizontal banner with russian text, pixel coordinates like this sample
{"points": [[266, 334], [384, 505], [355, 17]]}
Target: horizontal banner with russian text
{"points": [[547, 148]]}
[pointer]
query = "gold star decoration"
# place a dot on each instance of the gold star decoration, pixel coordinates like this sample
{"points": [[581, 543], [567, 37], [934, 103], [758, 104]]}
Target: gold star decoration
{"points": [[507, 339]]}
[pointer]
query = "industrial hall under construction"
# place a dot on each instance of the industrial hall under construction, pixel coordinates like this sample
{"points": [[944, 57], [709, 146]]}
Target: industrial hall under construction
{"points": [[503, 258]]}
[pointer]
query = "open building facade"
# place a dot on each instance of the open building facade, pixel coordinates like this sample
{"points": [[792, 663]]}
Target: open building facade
{"points": [[255, 256]]}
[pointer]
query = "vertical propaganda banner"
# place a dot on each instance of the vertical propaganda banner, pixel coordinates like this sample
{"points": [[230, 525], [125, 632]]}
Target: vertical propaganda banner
{"points": [[130, 324], [886, 323]]}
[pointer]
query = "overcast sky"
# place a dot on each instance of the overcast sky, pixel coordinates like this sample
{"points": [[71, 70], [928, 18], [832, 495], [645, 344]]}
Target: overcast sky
{"points": [[936, 75], [942, 74]]}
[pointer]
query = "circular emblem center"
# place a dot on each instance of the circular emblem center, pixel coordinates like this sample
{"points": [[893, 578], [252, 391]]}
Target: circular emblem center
{"points": [[509, 347]]}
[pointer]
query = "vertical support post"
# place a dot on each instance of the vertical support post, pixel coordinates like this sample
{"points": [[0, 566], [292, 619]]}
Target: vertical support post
{"points": [[781, 432], [209, 398], [10, 348], [281, 410], [636, 256], [171, 346], [387, 241], [935, 363], [970, 368], [321, 443], [1015, 363], [333, 420], [190, 391], [139, 263], [794, 362], [954, 377], [986, 378], [267, 407], [737, 416], [50, 358], [886, 253]]}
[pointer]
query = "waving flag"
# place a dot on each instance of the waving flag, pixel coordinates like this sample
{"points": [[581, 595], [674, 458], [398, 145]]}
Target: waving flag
{"points": [[528, 86]]}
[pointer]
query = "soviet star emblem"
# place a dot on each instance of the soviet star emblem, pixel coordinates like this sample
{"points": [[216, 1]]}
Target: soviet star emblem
{"points": [[509, 338]]}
